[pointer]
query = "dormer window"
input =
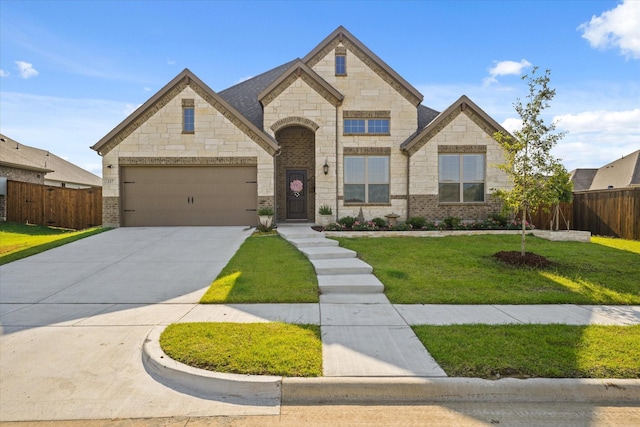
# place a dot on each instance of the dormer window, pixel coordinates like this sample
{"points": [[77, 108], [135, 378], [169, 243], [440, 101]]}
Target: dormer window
{"points": [[341, 61], [188, 116]]}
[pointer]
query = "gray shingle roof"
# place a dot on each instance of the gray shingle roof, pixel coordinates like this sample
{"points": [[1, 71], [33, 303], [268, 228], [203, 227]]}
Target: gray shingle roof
{"points": [[582, 178], [244, 96], [425, 116]]}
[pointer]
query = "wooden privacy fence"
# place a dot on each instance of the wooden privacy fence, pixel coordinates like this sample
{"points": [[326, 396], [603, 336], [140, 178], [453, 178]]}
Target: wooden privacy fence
{"points": [[53, 206], [614, 212], [546, 219]]}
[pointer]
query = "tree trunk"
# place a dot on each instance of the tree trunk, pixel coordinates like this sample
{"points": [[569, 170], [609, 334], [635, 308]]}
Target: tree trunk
{"points": [[522, 239]]}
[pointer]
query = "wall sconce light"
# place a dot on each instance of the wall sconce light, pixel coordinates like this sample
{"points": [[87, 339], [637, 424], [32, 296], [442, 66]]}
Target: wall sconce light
{"points": [[325, 167], [109, 166]]}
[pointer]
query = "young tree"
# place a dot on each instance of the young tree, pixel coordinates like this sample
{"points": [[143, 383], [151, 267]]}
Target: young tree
{"points": [[528, 160]]}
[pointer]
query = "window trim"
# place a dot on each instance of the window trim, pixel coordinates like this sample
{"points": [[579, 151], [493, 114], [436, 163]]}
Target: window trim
{"points": [[366, 182], [461, 182], [369, 118]]}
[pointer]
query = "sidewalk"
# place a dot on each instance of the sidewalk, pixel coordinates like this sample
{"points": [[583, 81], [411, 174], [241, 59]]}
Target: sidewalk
{"points": [[370, 352]]}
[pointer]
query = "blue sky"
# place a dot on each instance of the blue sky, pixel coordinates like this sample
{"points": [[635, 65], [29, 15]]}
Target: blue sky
{"points": [[72, 70]]}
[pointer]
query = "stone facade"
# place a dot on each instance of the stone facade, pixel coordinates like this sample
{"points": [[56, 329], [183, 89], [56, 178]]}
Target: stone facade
{"points": [[303, 112], [22, 175]]}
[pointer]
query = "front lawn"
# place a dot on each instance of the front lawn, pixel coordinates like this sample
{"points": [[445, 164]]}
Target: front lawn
{"points": [[266, 269], [543, 351], [463, 270], [20, 240], [246, 348]]}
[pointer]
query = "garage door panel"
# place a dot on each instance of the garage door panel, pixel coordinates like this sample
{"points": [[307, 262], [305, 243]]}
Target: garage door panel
{"points": [[169, 195]]}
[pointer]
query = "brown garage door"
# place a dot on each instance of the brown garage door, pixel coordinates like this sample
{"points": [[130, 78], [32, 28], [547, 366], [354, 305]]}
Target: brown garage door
{"points": [[175, 195]]}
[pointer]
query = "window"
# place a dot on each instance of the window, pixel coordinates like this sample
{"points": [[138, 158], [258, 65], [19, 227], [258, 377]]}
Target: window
{"points": [[461, 178], [360, 126], [341, 61], [188, 116], [366, 179], [341, 65]]}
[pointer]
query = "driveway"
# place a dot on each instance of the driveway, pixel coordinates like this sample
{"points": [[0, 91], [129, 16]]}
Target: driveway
{"points": [[74, 319]]}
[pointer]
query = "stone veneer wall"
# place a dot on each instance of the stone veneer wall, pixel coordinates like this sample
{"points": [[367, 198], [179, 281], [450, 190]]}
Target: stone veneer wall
{"points": [[22, 175], [110, 211]]}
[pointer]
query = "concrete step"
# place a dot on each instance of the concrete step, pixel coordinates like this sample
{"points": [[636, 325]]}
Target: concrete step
{"points": [[341, 266], [340, 298], [299, 233], [308, 243], [349, 284], [327, 252]]}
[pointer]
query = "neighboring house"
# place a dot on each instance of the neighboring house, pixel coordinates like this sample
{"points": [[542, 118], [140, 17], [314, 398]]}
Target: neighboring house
{"points": [[621, 173], [19, 162], [338, 127]]}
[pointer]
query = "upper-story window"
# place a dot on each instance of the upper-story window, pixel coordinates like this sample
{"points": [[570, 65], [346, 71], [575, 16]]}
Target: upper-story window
{"points": [[366, 122], [188, 116], [341, 61]]}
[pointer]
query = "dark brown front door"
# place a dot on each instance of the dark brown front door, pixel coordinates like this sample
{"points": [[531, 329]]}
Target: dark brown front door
{"points": [[296, 194]]}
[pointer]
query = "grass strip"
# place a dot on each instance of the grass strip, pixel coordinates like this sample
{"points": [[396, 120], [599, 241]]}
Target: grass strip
{"points": [[265, 269], [463, 270], [19, 241], [526, 351], [246, 348]]}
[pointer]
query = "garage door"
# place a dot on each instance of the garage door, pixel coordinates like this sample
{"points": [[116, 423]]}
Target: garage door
{"points": [[176, 195]]}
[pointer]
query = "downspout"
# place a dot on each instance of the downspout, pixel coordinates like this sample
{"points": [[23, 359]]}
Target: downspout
{"points": [[337, 200], [408, 182], [275, 184]]}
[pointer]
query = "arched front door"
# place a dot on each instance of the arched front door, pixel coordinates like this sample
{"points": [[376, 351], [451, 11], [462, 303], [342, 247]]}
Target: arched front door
{"points": [[295, 174]]}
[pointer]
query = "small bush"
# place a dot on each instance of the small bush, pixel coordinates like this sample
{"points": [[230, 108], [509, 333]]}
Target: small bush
{"points": [[365, 226], [265, 211], [499, 219], [347, 221], [417, 222], [334, 226], [379, 222], [401, 227], [325, 210], [452, 223]]}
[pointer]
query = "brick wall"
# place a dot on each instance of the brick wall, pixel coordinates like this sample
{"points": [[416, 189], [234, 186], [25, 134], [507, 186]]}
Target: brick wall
{"points": [[427, 205], [298, 152], [110, 211]]}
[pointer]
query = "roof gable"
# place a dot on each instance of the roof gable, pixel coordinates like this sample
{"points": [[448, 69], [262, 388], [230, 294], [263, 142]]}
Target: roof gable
{"points": [[462, 106], [167, 93], [341, 36], [299, 70], [621, 173]]}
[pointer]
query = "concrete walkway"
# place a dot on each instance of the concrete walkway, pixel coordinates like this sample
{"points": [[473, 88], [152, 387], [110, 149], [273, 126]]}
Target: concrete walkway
{"points": [[363, 335]]}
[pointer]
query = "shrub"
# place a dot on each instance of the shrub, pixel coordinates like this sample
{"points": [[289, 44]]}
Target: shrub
{"points": [[417, 222], [452, 223], [334, 226], [325, 210], [500, 219], [347, 221], [430, 226], [365, 226], [265, 211], [379, 222], [401, 227]]}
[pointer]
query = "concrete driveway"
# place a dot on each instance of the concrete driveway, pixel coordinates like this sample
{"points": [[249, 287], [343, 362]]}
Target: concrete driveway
{"points": [[74, 319]]}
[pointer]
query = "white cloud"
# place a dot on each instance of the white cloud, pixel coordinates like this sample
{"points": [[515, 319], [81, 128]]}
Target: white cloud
{"points": [[505, 68], [512, 124], [26, 70], [611, 122], [170, 62], [616, 28], [4, 73]]}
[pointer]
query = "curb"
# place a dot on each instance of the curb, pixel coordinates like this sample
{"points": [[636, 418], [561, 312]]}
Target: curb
{"points": [[275, 390], [241, 389], [346, 390]]}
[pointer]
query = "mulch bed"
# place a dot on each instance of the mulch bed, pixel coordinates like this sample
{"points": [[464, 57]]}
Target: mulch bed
{"points": [[528, 260]]}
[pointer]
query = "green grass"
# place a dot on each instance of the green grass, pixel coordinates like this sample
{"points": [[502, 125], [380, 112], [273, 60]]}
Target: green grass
{"points": [[266, 269], [524, 351], [19, 241], [462, 270], [247, 348]]}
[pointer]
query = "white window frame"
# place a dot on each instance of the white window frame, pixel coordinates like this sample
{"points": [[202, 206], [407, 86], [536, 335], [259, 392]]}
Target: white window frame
{"points": [[366, 182]]}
